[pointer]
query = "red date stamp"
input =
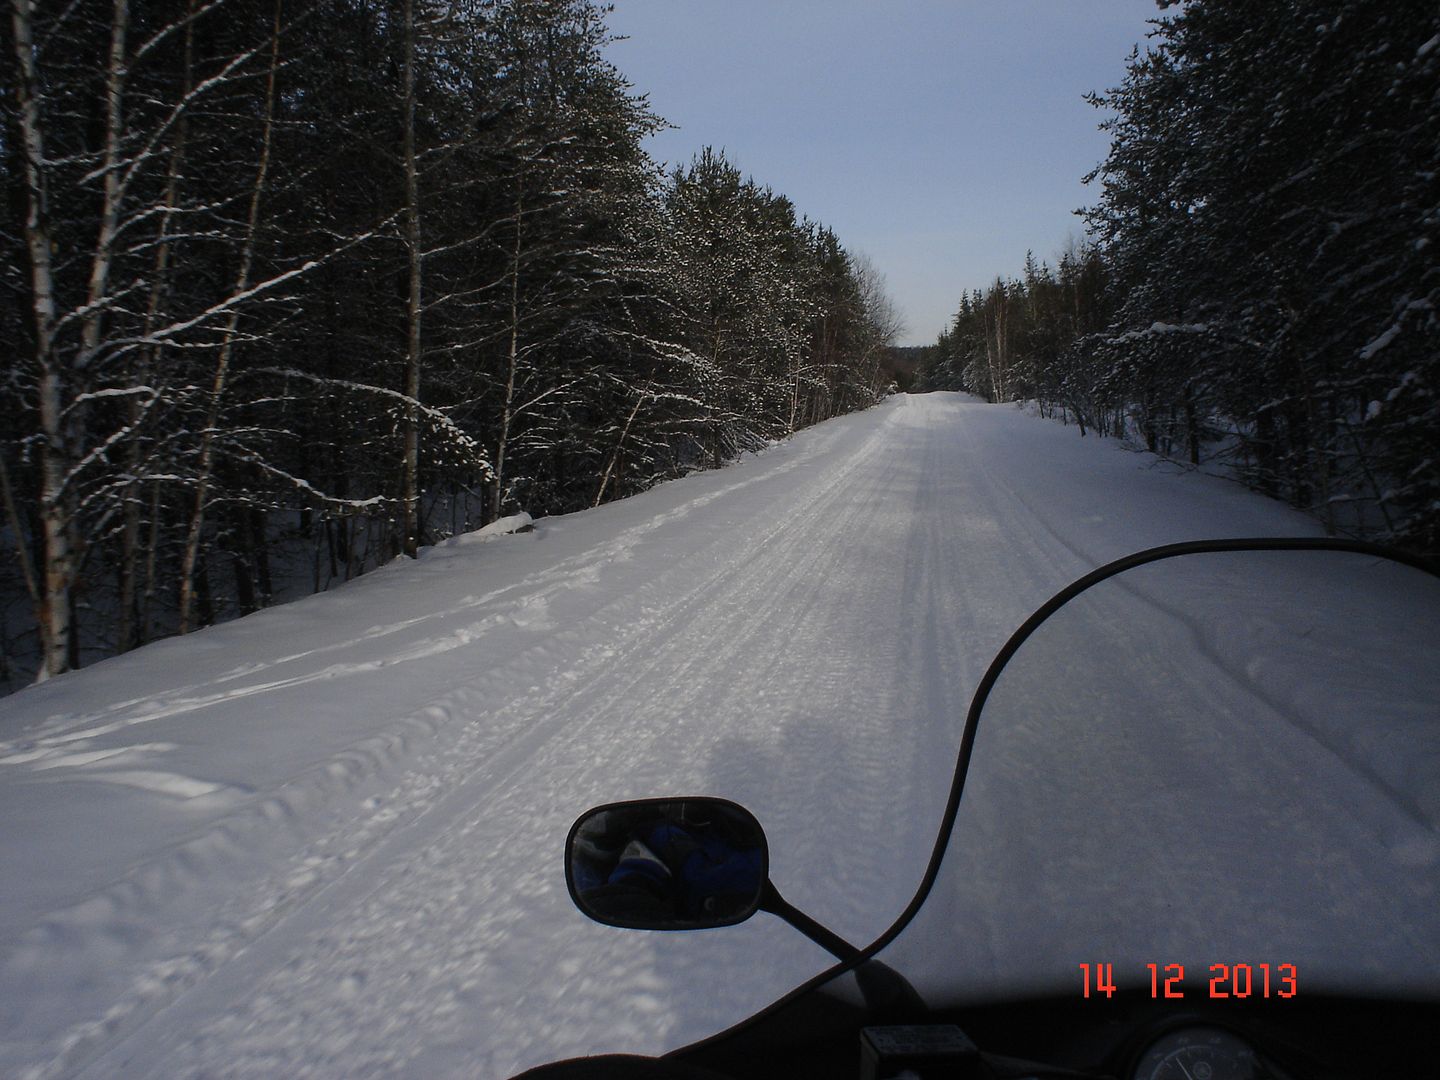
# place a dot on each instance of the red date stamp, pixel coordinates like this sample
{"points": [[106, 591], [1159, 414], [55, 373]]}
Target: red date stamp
{"points": [[1224, 980]]}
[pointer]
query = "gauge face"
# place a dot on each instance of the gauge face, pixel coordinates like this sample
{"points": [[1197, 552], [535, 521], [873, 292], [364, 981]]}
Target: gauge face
{"points": [[1197, 1053]]}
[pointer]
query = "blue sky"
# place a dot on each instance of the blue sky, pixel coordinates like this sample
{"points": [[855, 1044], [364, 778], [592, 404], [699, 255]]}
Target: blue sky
{"points": [[942, 138]]}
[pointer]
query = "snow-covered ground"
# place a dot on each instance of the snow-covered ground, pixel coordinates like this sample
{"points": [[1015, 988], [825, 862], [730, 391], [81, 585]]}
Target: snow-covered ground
{"points": [[325, 840]]}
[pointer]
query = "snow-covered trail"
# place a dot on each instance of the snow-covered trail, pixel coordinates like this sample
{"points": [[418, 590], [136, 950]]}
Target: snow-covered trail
{"points": [[325, 840]]}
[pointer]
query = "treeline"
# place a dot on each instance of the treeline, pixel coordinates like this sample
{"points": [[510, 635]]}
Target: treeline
{"points": [[1028, 339], [1261, 283], [289, 288]]}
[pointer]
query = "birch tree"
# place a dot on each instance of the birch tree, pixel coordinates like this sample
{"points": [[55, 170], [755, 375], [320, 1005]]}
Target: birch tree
{"points": [[304, 286]]}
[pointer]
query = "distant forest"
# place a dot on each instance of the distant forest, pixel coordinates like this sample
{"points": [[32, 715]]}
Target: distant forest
{"points": [[1260, 289], [291, 287]]}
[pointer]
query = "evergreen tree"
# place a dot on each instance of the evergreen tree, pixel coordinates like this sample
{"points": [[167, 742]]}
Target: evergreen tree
{"points": [[1269, 204], [310, 285]]}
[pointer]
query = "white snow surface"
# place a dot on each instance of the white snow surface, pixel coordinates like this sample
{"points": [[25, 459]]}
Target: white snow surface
{"points": [[325, 840]]}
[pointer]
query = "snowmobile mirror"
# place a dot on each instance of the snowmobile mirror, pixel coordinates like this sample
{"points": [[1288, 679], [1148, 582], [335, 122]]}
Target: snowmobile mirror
{"points": [[667, 864]]}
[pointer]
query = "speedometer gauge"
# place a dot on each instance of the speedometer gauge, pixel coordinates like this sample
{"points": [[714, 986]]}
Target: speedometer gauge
{"points": [[1197, 1053]]}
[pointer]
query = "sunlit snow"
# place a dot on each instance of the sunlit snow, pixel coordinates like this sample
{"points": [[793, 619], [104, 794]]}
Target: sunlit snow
{"points": [[325, 840]]}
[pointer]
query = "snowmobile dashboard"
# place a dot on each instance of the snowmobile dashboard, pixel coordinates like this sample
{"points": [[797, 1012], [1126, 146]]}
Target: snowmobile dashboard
{"points": [[1131, 1037]]}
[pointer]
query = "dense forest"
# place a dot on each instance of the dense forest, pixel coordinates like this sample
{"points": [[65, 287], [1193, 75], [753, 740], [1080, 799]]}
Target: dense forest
{"points": [[1259, 288], [288, 289]]}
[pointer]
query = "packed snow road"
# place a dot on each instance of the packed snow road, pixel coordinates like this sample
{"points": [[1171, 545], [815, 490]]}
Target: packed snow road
{"points": [[325, 840]]}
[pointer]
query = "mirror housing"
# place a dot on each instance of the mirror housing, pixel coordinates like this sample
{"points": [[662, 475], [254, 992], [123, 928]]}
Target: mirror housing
{"points": [[667, 864]]}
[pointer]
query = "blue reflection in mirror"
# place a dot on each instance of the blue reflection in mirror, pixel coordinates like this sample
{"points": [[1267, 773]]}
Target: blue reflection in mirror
{"points": [[667, 864]]}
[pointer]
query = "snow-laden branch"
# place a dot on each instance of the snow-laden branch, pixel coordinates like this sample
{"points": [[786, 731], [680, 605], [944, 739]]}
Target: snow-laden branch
{"points": [[161, 335], [436, 416]]}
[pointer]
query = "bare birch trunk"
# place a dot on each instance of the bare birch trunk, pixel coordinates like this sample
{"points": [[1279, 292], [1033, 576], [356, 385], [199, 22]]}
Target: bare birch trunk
{"points": [[227, 344], [53, 615], [134, 625], [794, 392], [497, 488], [147, 598], [715, 455], [104, 256], [410, 495], [996, 345], [619, 444]]}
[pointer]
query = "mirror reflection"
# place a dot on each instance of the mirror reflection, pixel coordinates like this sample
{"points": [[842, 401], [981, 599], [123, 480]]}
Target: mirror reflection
{"points": [[667, 864]]}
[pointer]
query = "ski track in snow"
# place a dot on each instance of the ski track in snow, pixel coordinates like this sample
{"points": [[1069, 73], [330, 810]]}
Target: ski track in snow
{"points": [[336, 840]]}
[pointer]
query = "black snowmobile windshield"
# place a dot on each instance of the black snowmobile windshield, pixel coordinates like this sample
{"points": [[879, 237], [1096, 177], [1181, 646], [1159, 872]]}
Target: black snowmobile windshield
{"points": [[1218, 766]]}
